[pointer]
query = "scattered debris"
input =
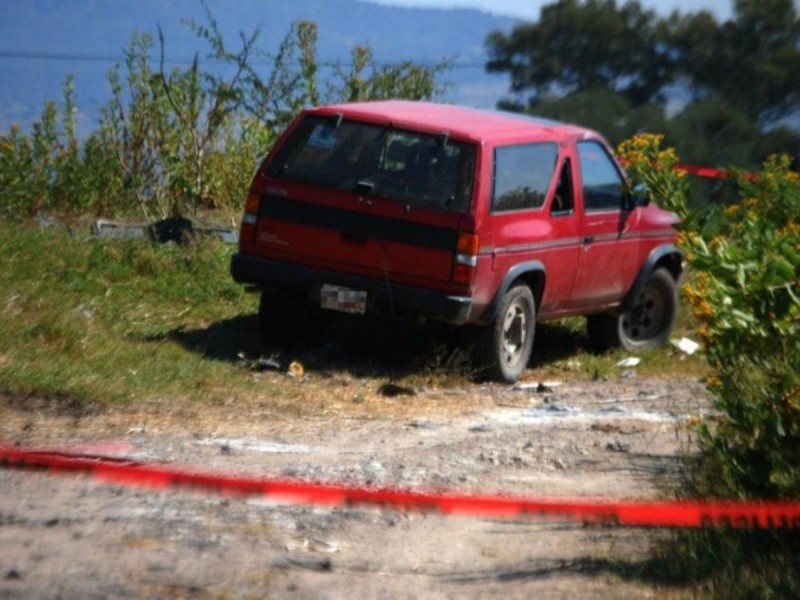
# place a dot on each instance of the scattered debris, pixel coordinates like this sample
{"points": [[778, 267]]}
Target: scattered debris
{"points": [[391, 390], [540, 387], [160, 231], [686, 345], [631, 361], [173, 229], [617, 446], [480, 428], [309, 563], [312, 545], [423, 424], [103, 228], [296, 369], [84, 312], [226, 445], [264, 363]]}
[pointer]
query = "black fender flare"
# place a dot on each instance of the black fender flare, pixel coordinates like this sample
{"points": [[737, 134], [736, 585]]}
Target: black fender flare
{"points": [[665, 255], [526, 271]]}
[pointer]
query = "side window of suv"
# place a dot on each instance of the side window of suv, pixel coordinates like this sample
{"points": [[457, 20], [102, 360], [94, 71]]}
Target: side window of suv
{"points": [[522, 175], [603, 186]]}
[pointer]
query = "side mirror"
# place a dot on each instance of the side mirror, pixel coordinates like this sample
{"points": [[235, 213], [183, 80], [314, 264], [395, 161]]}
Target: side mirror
{"points": [[635, 197]]}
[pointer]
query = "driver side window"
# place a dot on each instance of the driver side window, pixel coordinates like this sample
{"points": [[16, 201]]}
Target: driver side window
{"points": [[603, 186]]}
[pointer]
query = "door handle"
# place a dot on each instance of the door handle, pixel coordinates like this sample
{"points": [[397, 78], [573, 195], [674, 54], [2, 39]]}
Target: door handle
{"points": [[588, 239]]}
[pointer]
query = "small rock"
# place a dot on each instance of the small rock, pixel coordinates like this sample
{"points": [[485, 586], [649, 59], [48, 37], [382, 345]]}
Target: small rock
{"points": [[423, 424], [617, 446], [308, 563], [13, 575]]}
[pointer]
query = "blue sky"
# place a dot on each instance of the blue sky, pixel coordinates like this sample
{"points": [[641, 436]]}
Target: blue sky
{"points": [[529, 9]]}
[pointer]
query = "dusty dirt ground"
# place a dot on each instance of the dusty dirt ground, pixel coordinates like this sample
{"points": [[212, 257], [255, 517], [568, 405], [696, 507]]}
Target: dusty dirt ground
{"points": [[67, 536]]}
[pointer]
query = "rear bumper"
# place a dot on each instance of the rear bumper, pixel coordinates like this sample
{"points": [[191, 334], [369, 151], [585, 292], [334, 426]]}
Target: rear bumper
{"points": [[385, 297]]}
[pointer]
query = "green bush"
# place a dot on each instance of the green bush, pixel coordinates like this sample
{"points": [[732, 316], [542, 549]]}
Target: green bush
{"points": [[744, 291]]}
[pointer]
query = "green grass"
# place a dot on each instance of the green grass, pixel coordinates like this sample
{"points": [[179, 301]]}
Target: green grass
{"points": [[86, 321], [109, 321]]}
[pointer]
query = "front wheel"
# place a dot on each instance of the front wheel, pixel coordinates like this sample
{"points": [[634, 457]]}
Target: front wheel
{"points": [[509, 339], [647, 325]]}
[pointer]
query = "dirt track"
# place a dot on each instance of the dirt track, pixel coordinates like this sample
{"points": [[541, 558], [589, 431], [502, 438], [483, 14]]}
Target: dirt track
{"points": [[72, 537]]}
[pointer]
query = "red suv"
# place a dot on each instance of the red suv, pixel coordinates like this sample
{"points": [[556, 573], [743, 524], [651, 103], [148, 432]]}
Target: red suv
{"points": [[437, 212]]}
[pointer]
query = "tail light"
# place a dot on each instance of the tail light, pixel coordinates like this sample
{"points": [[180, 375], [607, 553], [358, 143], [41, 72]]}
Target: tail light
{"points": [[250, 219], [466, 258]]}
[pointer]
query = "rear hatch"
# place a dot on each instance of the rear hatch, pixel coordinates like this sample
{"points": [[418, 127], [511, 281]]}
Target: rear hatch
{"points": [[365, 199]]}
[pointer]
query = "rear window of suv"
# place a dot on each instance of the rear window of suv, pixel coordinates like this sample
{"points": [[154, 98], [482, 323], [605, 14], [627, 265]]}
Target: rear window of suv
{"points": [[410, 167]]}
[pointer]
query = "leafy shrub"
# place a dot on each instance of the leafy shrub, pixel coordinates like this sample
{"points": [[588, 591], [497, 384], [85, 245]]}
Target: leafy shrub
{"points": [[744, 290]]}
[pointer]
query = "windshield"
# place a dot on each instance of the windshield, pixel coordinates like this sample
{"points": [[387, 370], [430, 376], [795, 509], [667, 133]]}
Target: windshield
{"points": [[410, 167]]}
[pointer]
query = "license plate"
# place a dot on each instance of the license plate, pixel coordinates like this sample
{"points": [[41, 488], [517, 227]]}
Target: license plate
{"points": [[335, 297]]}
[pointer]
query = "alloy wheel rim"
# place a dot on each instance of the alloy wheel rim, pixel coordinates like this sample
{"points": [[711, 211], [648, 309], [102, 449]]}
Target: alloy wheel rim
{"points": [[514, 333], [644, 321]]}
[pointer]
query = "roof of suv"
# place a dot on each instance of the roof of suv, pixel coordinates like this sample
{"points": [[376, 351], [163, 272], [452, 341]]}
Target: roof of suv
{"points": [[470, 123]]}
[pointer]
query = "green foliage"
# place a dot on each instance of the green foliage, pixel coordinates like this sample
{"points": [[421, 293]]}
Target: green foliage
{"points": [[745, 294], [577, 46], [609, 66], [367, 80], [170, 143], [48, 170], [606, 111], [751, 63], [134, 126]]}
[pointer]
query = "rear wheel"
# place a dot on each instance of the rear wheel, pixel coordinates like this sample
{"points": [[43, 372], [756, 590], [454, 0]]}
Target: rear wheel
{"points": [[287, 321], [509, 339]]}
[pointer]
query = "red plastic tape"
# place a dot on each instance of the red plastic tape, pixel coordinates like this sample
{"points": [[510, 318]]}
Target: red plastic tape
{"points": [[707, 172], [712, 173], [632, 514]]}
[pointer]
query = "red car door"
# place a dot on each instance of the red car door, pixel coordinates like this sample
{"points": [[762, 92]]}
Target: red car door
{"points": [[609, 255]]}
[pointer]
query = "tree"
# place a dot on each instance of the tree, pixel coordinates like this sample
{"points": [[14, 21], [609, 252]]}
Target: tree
{"points": [[750, 63], [606, 111], [577, 46]]}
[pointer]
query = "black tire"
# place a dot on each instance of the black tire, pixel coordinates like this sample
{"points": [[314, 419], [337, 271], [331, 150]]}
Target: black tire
{"points": [[286, 320], [508, 341], [647, 325]]}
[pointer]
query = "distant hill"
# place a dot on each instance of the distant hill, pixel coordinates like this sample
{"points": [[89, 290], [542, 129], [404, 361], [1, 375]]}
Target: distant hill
{"points": [[87, 37]]}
